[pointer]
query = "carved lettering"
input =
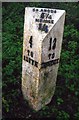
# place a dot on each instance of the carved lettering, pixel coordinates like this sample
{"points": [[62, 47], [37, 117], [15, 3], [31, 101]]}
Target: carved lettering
{"points": [[49, 63], [31, 61]]}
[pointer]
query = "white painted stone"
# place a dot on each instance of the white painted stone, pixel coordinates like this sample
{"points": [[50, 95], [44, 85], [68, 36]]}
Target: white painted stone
{"points": [[40, 64]]}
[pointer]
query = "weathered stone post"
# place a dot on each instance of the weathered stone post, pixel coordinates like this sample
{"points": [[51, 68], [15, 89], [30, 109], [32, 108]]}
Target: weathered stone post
{"points": [[43, 32]]}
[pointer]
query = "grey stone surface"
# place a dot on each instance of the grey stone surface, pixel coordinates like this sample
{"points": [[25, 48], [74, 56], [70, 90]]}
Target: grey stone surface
{"points": [[43, 33]]}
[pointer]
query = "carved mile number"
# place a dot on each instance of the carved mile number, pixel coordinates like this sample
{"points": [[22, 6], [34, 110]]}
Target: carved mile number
{"points": [[52, 46], [43, 27], [31, 41]]}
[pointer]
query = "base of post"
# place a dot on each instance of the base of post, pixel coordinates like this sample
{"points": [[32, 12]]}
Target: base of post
{"points": [[38, 102]]}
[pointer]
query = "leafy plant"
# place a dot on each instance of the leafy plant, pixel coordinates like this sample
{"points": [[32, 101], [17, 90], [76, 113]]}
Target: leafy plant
{"points": [[63, 115]]}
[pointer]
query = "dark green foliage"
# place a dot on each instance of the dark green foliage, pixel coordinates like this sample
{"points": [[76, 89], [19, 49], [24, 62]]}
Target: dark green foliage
{"points": [[65, 103]]}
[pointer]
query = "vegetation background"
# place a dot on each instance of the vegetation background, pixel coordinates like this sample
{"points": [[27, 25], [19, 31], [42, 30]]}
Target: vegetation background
{"points": [[65, 102]]}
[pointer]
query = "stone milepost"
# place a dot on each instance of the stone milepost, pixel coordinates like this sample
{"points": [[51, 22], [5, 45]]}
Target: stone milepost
{"points": [[43, 32]]}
